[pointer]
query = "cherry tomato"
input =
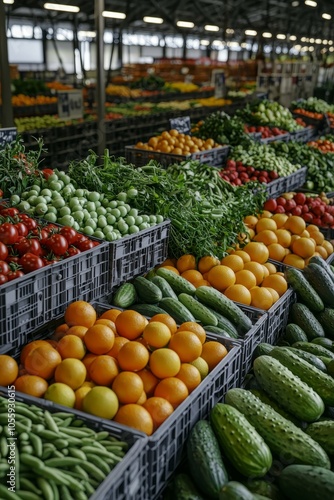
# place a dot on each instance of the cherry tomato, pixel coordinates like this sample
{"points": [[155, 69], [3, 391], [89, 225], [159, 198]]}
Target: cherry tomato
{"points": [[12, 275], [72, 251], [8, 233], [23, 216], [70, 234], [3, 279], [21, 228], [4, 267], [1, 193], [30, 223], [86, 245], [13, 258], [42, 234], [22, 245], [34, 246], [58, 244], [3, 251], [31, 262], [9, 212], [47, 172]]}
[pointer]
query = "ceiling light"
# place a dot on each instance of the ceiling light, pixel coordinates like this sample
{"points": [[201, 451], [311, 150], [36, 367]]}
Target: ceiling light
{"points": [[90, 34], [185, 24], [204, 42], [61, 7], [250, 32], [8, 2], [318, 41], [330, 42], [292, 38], [154, 20], [244, 45], [304, 49], [303, 39], [311, 49], [266, 35], [326, 16], [113, 15], [297, 47], [280, 36], [229, 31], [311, 40], [295, 4], [211, 27], [331, 49], [311, 3], [233, 44], [217, 42], [325, 42]]}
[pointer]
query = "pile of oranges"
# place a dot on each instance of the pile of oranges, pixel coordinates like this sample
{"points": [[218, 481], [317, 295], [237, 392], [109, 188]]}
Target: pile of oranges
{"points": [[119, 366], [174, 142], [288, 239]]}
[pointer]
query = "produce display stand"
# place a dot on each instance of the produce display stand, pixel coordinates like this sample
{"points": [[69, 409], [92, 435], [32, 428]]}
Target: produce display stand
{"points": [[303, 135], [286, 184], [268, 140], [129, 480]]}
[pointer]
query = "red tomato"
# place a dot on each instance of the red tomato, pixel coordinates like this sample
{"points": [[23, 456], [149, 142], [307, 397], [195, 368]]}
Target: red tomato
{"points": [[87, 245], [12, 275], [47, 172], [13, 258], [72, 251], [30, 223], [31, 262], [34, 246], [4, 267], [70, 234], [22, 245], [9, 212], [8, 233], [3, 279], [58, 244], [3, 251], [21, 228], [1, 193]]}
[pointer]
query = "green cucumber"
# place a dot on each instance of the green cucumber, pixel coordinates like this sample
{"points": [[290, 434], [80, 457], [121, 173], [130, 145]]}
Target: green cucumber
{"points": [[293, 333], [235, 491], [302, 482], [200, 312], [326, 319], [148, 310], [287, 389], [225, 324], [324, 342], [310, 358], [263, 487], [262, 349], [166, 289], [305, 319], [147, 291], [179, 284], [213, 298], [317, 350], [323, 284], [330, 368], [286, 441], [205, 463], [259, 393], [217, 331], [323, 433], [240, 442], [125, 296], [316, 259], [320, 382], [184, 488], [177, 310], [305, 291]]}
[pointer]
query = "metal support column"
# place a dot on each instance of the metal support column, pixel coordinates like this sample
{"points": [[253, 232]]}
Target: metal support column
{"points": [[6, 94], [100, 85]]}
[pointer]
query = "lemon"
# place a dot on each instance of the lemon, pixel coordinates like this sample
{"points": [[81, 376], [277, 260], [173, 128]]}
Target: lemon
{"points": [[61, 394], [71, 372], [202, 366], [101, 402], [88, 384]]}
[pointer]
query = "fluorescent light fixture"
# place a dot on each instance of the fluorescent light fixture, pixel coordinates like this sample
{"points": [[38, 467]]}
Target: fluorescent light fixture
{"points": [[311, 3], [303, 39], [292, 38], [311, 40], [61, 7], [326, 16], [311, 49], [185, 24], [266, 34], [233, 44], [8, 2], [229, 31], [244, 45], [217, 42], [295, 4], [304, 49], [204, 42], [281, 36], [318, 41], [211, 27], [325, 42], [154, 20], [113, 15], [297, 47], [250, 32], [90, 34], [330, 42], [331, 49]]}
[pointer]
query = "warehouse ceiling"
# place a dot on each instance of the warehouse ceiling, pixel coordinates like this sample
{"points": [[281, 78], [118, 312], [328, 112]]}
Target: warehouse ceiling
{"points": [[233, 17]]}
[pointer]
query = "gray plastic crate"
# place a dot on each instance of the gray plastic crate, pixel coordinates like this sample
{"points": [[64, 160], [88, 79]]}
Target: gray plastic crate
{"points": [[304, 135], [295, 180], [276, 187], [129, 479], [283, 137]]}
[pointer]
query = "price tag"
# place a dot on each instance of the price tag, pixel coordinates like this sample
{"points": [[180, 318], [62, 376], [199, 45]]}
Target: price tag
{"points": [[7, 135], [182, 124], [70, 104]]}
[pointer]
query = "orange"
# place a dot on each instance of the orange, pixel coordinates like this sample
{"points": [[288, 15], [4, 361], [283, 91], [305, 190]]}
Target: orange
{"points": [[133, 356], [168, 262], [71, 372], [173, 269], [130, 324], [71, 346], [88, 384], [187, 345], [266, 236], [274, 294], [206, 263], [167, 320], [165, 363], [321, 251], [280, 219], [234, 262], [190, 375], [185, 263], [159, 409], [306, 234], [99, 339], [77, 330], [287, 250], [283, 237], [265, 223], [201, 283], [318, 237], [79, 396], [43, 361], [32, 385], [276, 282], [313, 228], [80, 313], [172, 389], [238, 293], [107, 322], [257, 251], [244, 255], [251, 221], [142, 398], [265, 215], [101, 402], [30, 347], [136, 416], [256, 269], [265, 270], [60, 331], [150, 381], [261, 298], [53, 343], [103, 370], [118, 344], [213, 352], [128, 387], [303, 247], [202, 366], [221, 277], [111, 314], [192, 326], [156, 334], [295, 224], [328, 247], [276, 252], [192, 275], [245, 278], [88, 359], [9, 370]]}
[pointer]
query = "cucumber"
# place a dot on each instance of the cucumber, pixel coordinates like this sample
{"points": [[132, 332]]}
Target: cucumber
{"points": [[326, 319], [323, 284], [217, 331], [213, 298], [287, 389], [305, 291], [262, 349], [177, 310], [316, 259], [302, 482], [293, 333], [225, 324], [147, 291], [235, 491], [324, 342], [184, 488], [315, 349], [323, 433], [240, 442], [204, 460], [179, 284], [305, 319], [148, 310], [286, 441], [125, 296], [166, 289], [326, 361], [200, 312], [259, 393], [310, 358], [263, 487], [330, 368], [320, 382]]}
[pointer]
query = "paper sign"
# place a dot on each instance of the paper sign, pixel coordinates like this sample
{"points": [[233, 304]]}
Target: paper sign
{"points": [[70, 104], [182, 124], [7, 135]]}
